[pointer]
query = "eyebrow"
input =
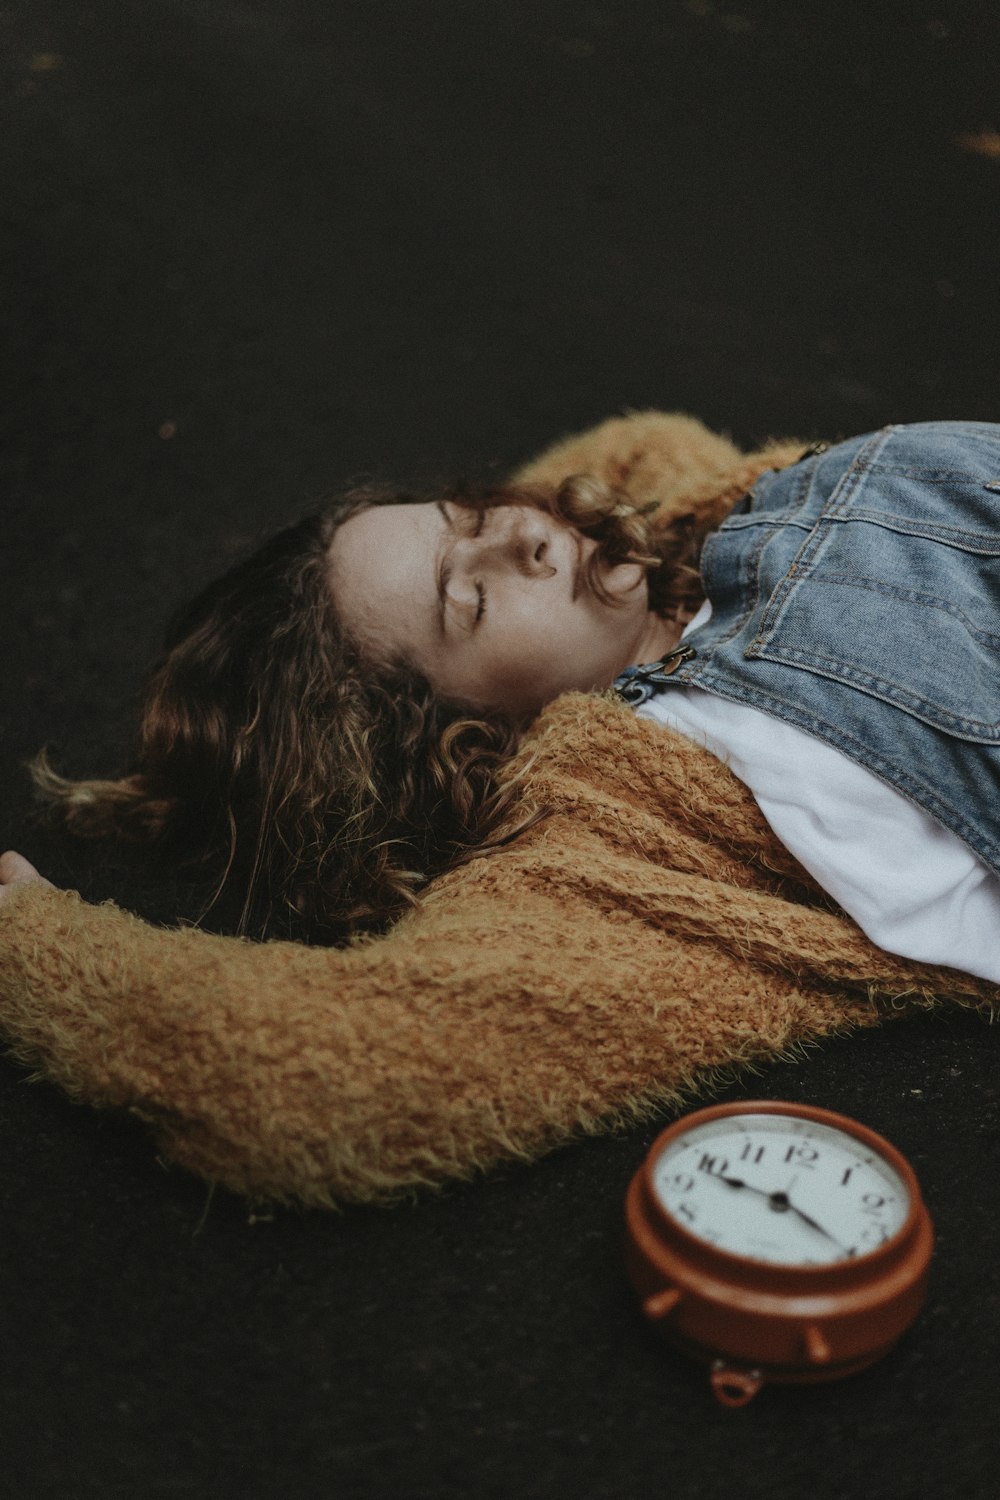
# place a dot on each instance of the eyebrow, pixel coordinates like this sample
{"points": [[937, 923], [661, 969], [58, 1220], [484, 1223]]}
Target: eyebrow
{"points": [[442, 572]]}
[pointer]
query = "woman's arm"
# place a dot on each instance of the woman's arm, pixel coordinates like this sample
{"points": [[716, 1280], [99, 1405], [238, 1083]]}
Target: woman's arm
{"points": [[605, 962], [485, 1027], [666, 457]]}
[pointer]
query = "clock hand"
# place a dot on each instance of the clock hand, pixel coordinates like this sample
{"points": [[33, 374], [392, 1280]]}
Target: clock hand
{"points": [[781, 1202], [737, 1182], [813, 1225]]}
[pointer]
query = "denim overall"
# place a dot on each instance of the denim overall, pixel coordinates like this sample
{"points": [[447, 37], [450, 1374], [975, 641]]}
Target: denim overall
{"points": [[857, 596]]}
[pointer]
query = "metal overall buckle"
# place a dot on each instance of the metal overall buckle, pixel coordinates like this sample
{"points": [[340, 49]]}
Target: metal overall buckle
{"points": [[638, 684]]}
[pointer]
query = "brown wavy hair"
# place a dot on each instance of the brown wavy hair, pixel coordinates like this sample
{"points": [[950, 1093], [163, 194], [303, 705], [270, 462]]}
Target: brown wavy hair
{"points": [[275, 758]]}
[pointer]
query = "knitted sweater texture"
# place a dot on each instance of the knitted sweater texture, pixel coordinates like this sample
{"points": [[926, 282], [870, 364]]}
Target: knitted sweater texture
{"points": [[645, 938]]}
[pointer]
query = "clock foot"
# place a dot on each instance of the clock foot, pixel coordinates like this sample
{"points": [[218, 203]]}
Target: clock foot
{"points": [[734, 1387]]}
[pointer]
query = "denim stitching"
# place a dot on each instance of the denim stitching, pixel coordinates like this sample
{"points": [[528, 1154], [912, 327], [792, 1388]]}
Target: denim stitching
{"points": [[909, 596], [938, 531], [891, 692], [800, 564], [929, 476]]}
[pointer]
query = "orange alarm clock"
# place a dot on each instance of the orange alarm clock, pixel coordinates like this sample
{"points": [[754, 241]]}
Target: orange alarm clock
{"points": [[777, 1242]]}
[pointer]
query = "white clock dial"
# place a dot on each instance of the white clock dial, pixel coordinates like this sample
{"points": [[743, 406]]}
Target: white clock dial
{"points": [[779, 1188]]}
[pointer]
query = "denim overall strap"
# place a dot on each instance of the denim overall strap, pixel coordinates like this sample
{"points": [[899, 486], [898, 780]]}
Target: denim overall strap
{"points": [[856, 595]]}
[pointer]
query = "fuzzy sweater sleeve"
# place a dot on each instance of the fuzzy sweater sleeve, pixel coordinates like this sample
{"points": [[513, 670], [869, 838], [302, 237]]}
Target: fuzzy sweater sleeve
{"points": [[604, 963], [669, 458]]}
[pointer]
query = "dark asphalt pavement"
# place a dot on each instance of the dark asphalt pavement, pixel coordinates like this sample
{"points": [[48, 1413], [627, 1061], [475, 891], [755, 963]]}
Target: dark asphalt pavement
{"points": [[256, 250]]}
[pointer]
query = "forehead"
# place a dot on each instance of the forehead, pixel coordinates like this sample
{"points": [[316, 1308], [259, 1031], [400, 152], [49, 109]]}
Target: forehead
{"points": [[384, 529], [382, 570]]}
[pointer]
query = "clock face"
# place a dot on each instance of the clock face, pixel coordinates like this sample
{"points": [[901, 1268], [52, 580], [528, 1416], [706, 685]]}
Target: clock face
{"points": [[780, 1188]]}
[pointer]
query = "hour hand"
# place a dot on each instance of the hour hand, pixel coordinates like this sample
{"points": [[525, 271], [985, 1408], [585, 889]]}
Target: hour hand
{"points": [[737, 1182], [781, 1203]]}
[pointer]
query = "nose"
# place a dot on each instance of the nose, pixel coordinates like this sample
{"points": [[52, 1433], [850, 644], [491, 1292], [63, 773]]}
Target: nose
{"points": [[512, 535]]}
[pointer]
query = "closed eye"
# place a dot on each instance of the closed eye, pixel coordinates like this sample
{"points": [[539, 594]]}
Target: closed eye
{"points": [[481, 607]]}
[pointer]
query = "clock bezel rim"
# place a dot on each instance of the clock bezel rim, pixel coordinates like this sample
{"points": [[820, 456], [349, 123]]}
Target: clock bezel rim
{"points": [[755, 1270]]}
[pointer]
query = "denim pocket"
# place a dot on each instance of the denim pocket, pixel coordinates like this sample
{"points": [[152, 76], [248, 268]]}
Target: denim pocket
{"points": [[896, 589]]}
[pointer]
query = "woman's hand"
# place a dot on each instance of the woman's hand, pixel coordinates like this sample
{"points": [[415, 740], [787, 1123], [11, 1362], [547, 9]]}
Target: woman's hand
{"points": [[15, 870]]}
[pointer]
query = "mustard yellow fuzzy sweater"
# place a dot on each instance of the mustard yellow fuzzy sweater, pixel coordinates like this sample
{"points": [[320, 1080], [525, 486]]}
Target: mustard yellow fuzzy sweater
{"points": [[648, 935]]}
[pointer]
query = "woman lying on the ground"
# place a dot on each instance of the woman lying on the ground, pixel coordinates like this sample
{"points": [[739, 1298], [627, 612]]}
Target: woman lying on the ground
{"points": [[577, 810]]}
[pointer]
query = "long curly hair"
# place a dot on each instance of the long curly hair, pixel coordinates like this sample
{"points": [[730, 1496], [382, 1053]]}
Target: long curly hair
{"points": [[273, 757]]}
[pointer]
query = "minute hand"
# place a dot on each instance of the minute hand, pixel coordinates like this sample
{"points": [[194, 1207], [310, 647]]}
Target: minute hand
{"points": [[781, 1203]]}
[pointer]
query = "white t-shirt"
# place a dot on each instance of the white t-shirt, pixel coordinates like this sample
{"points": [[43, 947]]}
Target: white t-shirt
{"points": [[910, 884]]}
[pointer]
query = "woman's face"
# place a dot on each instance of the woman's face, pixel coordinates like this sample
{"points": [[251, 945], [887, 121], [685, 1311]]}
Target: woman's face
{"points": [[492, 607]]}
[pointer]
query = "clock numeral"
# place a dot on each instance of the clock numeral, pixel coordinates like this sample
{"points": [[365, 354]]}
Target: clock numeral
{"points": [[686, 1212], [846, 1177], [719, 1165], [749, 1154], [876, 1232], [873, 1202], [802, 1156], [682, 1182]]}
